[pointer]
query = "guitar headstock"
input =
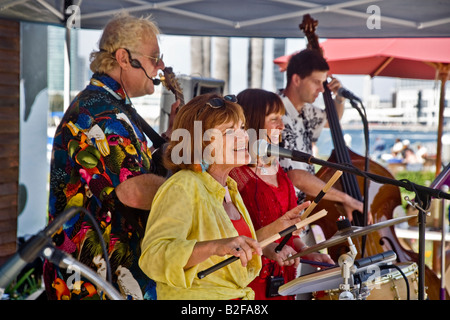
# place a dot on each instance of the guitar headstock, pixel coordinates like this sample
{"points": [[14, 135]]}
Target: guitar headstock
{"points": [[171, 83], [308, 26]]}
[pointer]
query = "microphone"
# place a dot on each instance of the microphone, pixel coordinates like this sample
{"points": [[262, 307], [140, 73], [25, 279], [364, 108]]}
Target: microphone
{"points": [[155, 81], [375, 259], [263, 148], [137, 64], [347, 94]]}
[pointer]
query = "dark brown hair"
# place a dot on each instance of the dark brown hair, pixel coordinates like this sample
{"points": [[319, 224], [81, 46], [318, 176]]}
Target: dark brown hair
{"points": [[304, 63], [257, 104]]}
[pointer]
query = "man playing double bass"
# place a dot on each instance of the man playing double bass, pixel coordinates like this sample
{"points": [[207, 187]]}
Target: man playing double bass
{"points": [[306, 73]]}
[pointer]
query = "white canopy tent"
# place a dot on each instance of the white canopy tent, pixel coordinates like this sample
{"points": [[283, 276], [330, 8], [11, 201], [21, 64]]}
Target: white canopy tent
{"points": [[250, 18]]}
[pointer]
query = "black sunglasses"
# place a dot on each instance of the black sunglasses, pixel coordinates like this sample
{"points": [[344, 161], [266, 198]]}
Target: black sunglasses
{"points": [[217, 103], [220, 102]]}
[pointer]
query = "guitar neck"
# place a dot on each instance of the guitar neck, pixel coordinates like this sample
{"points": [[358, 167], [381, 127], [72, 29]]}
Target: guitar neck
{"points": [[179, 96], [171, 83]]}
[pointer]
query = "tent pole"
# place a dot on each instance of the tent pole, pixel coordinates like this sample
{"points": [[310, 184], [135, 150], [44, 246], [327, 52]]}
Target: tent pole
{"points": [[443, 75], [67, 66], [67, 58]]}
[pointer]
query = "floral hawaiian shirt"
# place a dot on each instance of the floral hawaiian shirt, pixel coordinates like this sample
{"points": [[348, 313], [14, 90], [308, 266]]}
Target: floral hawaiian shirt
{"points": [[98, 145]]}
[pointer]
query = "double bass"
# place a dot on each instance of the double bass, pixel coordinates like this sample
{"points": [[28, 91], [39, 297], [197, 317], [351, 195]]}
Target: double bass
{"points": [[381, 200]]}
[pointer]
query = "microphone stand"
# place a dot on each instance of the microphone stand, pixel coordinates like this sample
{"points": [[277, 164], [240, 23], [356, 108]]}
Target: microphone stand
{"points": [[64, 260], [33, 247], [423, 197], [41, 244], [443, 232], [366, 168]]}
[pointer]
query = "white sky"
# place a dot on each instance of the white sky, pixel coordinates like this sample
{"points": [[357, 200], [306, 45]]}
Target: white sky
{"points": [[176, 50]]}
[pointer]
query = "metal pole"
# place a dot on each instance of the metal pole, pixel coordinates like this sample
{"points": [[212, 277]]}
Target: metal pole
{"points": [[444, 231]]}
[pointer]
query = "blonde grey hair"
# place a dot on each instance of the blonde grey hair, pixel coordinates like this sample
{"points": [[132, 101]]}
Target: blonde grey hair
{"points": [[123, 31]]}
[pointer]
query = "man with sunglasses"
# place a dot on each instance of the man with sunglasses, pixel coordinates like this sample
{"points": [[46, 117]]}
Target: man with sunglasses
{"points": [[101, 161]]}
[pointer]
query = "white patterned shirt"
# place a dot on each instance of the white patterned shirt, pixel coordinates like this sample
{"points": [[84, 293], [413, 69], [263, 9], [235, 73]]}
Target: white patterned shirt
{"points": [[301, 130]]}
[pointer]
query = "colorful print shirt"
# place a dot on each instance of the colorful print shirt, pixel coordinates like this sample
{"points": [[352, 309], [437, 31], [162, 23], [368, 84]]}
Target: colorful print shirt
{"points": [[301, 130], [98, 145]]}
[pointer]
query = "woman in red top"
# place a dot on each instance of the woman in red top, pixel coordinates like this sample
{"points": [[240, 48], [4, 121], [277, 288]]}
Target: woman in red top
{"points": [[267, 191]]}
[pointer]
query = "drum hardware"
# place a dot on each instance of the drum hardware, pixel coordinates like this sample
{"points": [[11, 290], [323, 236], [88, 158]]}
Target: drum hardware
{"points": [[363, 276], [342, 235], [346, 262], [392, 277], [422, 203], [401, 283], [368, 270], [355, 274]]}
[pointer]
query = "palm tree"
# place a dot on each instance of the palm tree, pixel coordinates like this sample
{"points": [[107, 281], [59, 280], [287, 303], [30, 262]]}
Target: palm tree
{"points": [[222, 61], [255, 62], [279, 48], [201, 56]]}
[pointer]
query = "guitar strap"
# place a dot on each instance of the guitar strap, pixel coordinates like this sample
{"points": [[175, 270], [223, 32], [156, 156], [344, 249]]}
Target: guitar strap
{"points": [[156, 139], [154, 136]]}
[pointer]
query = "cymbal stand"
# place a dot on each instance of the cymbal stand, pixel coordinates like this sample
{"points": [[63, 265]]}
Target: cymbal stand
{"points": [[346, 261], [422, 221]]}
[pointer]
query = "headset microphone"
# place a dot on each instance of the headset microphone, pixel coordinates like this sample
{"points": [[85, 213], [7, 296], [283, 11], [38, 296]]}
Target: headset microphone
{"points": [[136, 64]]}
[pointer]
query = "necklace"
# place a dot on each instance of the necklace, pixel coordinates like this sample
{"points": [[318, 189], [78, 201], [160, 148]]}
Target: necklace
{"points": [[263, 170], [270, 170]]}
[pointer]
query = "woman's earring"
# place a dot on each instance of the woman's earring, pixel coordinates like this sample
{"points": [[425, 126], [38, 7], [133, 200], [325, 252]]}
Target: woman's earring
{"points": [[204, 165]]}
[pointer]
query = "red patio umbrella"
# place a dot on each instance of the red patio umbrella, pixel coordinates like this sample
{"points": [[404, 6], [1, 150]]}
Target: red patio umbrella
{"points": [[414, 58]]}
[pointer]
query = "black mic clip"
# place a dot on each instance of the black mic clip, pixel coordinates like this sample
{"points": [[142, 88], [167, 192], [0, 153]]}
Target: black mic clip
{"points": [[347, 94]]}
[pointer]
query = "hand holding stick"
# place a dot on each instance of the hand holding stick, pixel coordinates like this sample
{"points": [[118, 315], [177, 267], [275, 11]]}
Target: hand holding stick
{"points": [[322, 193], [266, 242], [311, 207]]}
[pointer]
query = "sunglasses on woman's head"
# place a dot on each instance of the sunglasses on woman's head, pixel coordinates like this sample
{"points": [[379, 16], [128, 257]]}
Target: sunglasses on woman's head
{"points": [[220, 102], [217, 103]]}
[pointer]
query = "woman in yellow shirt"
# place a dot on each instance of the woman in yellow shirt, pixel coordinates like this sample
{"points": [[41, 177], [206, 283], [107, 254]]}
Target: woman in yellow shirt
{"points": [[198, 218]]}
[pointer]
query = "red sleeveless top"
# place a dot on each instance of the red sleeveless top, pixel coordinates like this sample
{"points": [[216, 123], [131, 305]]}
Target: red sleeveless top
{"points": [[266, 203]]}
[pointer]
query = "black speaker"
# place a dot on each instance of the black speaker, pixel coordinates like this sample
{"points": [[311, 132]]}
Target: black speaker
{"points": [[192, 87]]}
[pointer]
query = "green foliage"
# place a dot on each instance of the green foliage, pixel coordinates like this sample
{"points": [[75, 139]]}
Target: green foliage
{"points": [[423, 178], [24, 286]]}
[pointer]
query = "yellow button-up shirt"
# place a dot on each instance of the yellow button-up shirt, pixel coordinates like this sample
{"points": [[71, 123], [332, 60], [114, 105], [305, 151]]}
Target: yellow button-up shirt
{"points": [[188, 208]]}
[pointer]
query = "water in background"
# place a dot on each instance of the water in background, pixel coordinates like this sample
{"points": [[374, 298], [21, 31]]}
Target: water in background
{"points": [[426, 138]]}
